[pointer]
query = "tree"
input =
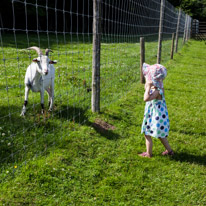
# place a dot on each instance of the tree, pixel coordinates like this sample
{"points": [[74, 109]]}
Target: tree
{"points": [[195, 8]]}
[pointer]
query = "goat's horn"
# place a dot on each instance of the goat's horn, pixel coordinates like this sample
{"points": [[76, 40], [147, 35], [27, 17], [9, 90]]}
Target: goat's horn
{"points": [[37, 49], [47, 51]]}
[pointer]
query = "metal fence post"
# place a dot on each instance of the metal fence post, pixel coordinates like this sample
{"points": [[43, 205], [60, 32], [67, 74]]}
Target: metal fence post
{"points": [[162, 8], [96, 56]]}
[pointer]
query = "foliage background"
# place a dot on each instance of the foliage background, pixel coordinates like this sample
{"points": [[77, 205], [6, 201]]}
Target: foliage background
{"points": [[195, 8]]}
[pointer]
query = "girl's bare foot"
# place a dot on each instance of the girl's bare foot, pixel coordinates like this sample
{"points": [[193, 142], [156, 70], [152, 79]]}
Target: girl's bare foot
{"points": [[145, 154]]}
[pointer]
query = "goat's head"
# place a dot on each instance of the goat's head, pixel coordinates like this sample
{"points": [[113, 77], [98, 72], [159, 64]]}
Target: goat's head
{"points": [[43, 61]]}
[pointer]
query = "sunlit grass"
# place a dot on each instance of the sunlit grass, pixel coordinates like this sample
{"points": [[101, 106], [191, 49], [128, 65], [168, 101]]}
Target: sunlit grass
{"points": [[63, 159]]}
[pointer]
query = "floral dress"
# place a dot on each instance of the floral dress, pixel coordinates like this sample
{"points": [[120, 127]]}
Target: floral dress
{"points": [[156, 119]]}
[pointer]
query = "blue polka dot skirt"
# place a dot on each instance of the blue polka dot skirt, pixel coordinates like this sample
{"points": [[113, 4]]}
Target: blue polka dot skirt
{"points": [[156, 119]]}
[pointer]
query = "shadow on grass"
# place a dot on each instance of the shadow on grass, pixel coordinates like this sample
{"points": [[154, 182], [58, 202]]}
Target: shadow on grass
{"points": [[74, 114], [77, 115], [193, 159], [24, 137], [12, 132], [105, 129]]}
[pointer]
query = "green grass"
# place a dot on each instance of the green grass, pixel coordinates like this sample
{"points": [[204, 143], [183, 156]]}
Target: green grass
{"points": [[63, 159], [119, 71]]}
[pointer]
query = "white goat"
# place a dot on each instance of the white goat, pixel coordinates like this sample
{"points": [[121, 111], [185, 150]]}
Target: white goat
{"points": [[40, 76]]}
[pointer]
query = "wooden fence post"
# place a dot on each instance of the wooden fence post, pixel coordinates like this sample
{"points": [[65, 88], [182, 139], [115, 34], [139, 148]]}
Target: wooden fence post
{"points": [[160, 31], [190, 30], [172, 47], [96, 56], [142, 59], [185, 30], [177, 30]]}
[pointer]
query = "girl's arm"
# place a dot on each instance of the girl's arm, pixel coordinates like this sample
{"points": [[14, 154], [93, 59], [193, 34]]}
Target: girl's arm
{"points": [[147, 95]]}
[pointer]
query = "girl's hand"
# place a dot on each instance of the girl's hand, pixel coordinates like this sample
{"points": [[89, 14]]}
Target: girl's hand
{"points": [[148, 85], [150, 96]]}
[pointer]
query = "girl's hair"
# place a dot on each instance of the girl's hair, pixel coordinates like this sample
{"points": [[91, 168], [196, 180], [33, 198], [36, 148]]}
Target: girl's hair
{"points": [[155, 73]]}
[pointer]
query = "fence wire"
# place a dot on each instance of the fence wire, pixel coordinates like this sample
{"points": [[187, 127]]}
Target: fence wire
{"points": [[65, 27]]}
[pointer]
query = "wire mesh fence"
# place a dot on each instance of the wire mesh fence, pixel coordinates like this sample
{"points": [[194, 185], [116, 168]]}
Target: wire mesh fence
{"points": [[65, 27]]}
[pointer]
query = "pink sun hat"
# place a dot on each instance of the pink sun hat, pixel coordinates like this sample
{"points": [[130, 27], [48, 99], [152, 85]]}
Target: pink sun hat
{"points": [[155, 73]]}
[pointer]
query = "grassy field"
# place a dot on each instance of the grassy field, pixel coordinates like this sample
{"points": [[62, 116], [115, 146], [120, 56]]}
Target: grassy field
{"points": [[24, 138], [74, 157]]}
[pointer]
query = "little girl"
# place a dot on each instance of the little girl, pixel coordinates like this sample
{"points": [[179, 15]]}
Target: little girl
{"points": [[156, 120]]}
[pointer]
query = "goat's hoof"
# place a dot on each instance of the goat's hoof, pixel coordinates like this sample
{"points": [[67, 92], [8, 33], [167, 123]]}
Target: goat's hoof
{"points": [[42, 111], [22, 114], [50, 110]]}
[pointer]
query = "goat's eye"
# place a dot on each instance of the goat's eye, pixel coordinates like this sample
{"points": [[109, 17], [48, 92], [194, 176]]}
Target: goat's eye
{"points": [[52, 62], [35, 60]]}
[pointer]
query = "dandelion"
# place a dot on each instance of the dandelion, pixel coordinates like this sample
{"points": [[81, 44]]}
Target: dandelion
{"points": [[3, 134], [15, 166], [7, 171], [9, 143]]}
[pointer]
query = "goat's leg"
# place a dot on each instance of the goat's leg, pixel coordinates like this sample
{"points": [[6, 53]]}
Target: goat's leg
{"points": [[51, 96], [42, 100], [23, 112]]}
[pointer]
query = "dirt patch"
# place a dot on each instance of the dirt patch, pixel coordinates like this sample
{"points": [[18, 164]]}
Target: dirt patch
{"points": [[102, 126]]}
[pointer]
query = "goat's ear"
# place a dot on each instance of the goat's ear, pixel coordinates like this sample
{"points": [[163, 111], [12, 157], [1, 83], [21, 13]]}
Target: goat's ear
{"points": [[35, 60], [52, 62]]}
